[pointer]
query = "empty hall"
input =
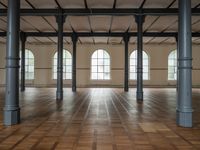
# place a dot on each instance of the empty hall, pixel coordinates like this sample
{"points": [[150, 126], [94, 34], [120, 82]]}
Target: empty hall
{"points": [[99, 75]]}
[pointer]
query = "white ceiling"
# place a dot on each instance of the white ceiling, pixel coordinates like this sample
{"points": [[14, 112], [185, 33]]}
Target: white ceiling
{"points": [[100, 23]]}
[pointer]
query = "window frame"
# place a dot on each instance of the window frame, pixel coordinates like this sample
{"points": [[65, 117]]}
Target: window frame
{"points": [[27, 65], [97, 65], [135, 65], [172, 56], [65, 65]]}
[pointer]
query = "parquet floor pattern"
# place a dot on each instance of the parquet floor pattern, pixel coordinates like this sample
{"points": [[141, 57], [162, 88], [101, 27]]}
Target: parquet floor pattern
{"points": [[99, 119]]}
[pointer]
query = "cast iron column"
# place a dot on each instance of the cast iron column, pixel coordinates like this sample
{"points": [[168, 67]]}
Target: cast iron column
{"points": [[126, 64], [177, 73], [139, 20], [60, 19], [23, 42], [11, 108], [74, 40], [184, 104]]}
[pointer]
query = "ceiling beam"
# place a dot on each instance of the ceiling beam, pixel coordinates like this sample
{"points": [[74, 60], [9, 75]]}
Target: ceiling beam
{"points": [[111, 12], [102, 34]]}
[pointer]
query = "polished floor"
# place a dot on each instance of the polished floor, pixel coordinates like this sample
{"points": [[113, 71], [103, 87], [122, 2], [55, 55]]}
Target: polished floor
{"points": [[100, 119]]}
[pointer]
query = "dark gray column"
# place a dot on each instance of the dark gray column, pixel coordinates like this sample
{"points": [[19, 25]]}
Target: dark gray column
{"points": [[184, 103], [126, 64], [139, 20], [60, 21], [23, 42], [177, 75], [11, 108], [74, 41]]}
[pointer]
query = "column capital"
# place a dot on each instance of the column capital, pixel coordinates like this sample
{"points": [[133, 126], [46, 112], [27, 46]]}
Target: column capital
{"points": [[176, 38], [126, 37], [23, 36], [74, 37], [60, 18], [139, 18]]}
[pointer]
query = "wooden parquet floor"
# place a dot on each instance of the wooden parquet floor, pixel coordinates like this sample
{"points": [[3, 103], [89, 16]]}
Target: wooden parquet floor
{"points": [[99, 119]]}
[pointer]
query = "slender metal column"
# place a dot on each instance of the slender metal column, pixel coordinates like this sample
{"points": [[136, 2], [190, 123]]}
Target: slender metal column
{"points": [[126, 64], [139, 20], [11, 108], [184, 104], [60, 19], [23, 42], [177, 74], [74, 40]]}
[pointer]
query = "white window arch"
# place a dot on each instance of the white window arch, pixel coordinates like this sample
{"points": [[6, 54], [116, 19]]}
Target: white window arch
{"points": [[172, 65], [133, 65], [67, 65], [29, 65], [100, 65]]}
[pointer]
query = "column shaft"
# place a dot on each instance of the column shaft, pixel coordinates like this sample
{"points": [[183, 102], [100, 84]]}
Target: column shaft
{"points": [[139, 21], [59, 93], [23, 42], [126, 64], [11, 108], [184, 103], [177, 73], [74, 40]]}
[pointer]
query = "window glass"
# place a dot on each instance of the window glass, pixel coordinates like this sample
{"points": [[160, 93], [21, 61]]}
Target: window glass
{"points": [[100, 65], [67, 65], [133, 66], [172, 65], [29, 65]]}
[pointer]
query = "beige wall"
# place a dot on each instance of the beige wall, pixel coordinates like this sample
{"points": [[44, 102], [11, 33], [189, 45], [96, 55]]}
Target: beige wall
{"points": [[158, 64]]}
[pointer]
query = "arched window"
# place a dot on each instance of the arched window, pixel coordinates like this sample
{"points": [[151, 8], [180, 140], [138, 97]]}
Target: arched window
{"points": [[67, 65], [133, 66], [172, 65], [29, 65], [100, 65]]}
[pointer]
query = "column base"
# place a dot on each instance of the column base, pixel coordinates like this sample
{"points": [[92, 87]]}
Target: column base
{"points": [[59, 95], [126, 89], [22, 89], [73, 89], [184, 119], [139, 96], [11, 117]]}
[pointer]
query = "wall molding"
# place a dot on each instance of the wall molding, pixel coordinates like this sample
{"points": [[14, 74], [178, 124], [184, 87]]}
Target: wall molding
{"points": [[99, 86], [43, 68], [158, 68], [111, 68]]}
